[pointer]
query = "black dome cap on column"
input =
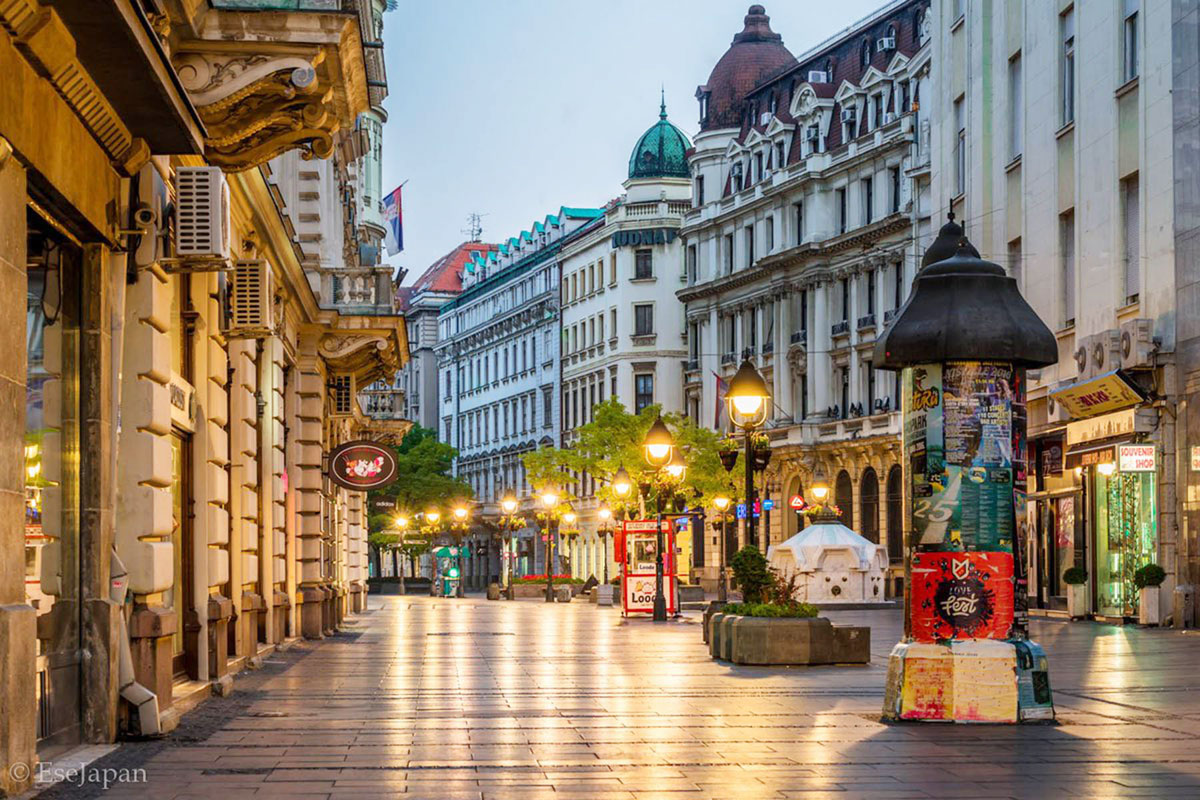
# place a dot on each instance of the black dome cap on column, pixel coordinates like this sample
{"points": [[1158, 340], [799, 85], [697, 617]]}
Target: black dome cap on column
{"points": [[962, 308]]}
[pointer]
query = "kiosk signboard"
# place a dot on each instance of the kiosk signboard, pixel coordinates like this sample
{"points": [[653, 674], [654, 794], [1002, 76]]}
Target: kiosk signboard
{"points": [[638, 550]]}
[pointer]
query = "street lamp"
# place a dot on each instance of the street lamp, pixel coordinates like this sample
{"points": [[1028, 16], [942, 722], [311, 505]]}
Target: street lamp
{"points": [[432, 517], [402, 527], [820, 487], [508, 504], [605, 514], [622, 485], [721, 502], [676, 466], [659, 446], [460, 528], [748, 400], [567, 533], [549, 498]]}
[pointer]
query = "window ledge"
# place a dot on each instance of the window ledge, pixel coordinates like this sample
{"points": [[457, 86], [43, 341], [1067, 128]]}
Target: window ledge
{"points": [[643, 338], [1011, 165], [1065, 129], [651, 279], [958, 23], [1126, 87]]}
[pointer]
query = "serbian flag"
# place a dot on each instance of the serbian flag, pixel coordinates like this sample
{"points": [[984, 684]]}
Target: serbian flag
{"points": [[392, 218], [722, 390]]}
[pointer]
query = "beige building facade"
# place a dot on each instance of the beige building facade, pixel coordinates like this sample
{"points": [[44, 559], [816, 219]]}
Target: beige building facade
{"points": [[168, 406]]}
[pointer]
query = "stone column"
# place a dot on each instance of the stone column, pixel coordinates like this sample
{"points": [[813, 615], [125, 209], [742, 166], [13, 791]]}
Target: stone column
{"points": [[18, 630], [818, 351], [243, 435], [310, 499]]}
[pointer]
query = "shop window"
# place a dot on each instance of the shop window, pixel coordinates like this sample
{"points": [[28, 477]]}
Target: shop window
{"points": [[1125, 538]]}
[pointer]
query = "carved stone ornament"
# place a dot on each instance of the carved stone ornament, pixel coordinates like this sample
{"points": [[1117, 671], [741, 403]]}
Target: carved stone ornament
{"points": [[257, 106], [338, 347], [797, 359]]}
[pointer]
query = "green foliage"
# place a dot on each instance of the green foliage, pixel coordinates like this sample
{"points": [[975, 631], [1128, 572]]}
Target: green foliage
{"points": [[789, 610], [1149, 575], [613, 439], [1075, 576], [541, 579], [751, 574], [425, 480]]}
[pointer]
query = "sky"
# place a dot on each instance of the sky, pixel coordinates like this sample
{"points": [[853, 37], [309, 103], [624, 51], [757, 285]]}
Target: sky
{"points": [[513, 108]]}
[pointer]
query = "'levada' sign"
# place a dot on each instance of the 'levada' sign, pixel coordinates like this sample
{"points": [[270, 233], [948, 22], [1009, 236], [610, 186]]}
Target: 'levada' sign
{"points": [[362, 465], [644, 238]]}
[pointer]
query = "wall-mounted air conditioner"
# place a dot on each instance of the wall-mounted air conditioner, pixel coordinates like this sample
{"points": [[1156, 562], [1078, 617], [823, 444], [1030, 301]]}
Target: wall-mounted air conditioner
{"points": [[201, 213], [886, 43], [1137, 344], [1104, 353], [813, 134], [818, 76], [251, 299]]}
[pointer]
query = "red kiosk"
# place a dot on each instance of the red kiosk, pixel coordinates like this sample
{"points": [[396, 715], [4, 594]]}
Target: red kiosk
{"points": [[635, 550]]}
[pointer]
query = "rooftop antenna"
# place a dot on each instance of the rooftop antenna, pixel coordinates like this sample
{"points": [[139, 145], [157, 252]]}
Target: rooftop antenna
{"points": [[474, 229]]}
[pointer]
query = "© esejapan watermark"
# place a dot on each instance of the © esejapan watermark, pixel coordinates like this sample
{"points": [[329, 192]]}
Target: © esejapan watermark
{"points": [[47, 773]]}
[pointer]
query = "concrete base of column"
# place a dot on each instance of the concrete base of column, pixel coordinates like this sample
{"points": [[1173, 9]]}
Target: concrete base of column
{"points": [[279, 619], [312, 612], [151, 630], [358, 594], [971, 680], [18, 698], [250, 621], [220, 609]]}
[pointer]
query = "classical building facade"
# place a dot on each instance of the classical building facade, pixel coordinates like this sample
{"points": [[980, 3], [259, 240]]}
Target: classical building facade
{"points": [[1066, 141], [499, 372], [179, 380], [810, 190], [622, 326]]}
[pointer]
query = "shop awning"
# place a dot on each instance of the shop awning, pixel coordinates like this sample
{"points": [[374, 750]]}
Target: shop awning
{"points": [[1103, 394]]}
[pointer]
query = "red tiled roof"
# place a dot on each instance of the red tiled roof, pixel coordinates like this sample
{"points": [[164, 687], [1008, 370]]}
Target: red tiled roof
{"points": [[445, 274]]}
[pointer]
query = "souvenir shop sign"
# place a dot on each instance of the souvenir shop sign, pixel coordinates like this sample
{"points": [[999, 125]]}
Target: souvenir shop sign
{"points": [[1110, 392], [1137, 458], [961, 596], [363, 465]]}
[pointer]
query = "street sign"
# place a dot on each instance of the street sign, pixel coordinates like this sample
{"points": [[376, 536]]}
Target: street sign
{"points": [[768, 504], [797, 502]]}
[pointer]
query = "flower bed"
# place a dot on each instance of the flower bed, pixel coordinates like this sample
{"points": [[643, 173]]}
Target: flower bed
{"points": [[558, 579], [788, 611]]}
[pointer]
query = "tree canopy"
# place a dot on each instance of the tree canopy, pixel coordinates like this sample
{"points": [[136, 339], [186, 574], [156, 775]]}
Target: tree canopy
{"points": [[613, 439]]}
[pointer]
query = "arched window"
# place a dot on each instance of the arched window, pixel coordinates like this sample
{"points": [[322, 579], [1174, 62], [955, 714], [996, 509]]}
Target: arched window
{"points": [[843, 497], [868, 503], [895, 513], [866, 53], [792, 522]]}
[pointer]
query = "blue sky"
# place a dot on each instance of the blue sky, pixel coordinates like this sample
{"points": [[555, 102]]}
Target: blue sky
{"points": [[512, 108]]}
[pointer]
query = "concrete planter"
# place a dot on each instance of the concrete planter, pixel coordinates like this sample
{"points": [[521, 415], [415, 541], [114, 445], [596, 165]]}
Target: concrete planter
{"points": [[1150, 605], [603, 594], [712, 633], [529, 590], [493, 591], [774, 641], [563, 594], [1077, 600]]}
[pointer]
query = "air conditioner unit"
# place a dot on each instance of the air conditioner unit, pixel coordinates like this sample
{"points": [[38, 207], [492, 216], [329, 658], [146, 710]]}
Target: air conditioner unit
{"points": [[813, 134], [886, 43], [341, 394], [1055, 413], [1105, 352], [201, 212], [1082, 362], [150, 217], [818, 76], [764, 118], [848, 115], [1137, 344], [251, 299]]}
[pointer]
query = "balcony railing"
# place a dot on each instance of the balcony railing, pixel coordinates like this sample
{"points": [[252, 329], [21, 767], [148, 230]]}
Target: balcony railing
{"points": [[748, 352], [280, 5], [800, 337], [889, 315], [768, 348], [866, 321], [728, 358], [840, 328], [693, 364]]}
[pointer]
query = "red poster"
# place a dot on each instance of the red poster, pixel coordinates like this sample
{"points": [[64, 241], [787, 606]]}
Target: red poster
{"points": [[961, 596]]}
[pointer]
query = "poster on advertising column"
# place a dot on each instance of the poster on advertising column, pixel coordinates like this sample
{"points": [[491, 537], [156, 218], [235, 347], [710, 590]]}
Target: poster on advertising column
{"points": [[978, 425], [933, 493]]}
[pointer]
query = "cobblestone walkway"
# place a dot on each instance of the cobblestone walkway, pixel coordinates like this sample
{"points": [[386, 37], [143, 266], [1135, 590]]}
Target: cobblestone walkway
{"points": [[457, 699]]}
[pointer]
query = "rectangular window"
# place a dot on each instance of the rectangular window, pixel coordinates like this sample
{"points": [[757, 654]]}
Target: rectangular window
{"points": [[868, 199], [803, 324], [1014, 260], [612, 318], [547, 407], [643, 392], [749, 235], [841, 198], [870, 279], [894, 175], [643, 319], [1066, 226], [699, 190], [770, 231], [960, 148], [798, 216], [869, 371], [1016, 116], [612, 269], [845, 299], [691, 264], [728, 253], [758, 167], [1066, 24], [1129, 40], [643, 264], [779, 161], [1131, 232]]}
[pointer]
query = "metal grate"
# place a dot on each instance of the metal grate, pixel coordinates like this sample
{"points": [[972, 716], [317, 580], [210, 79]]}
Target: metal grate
{"points": [[342, 392], [249, 299]]}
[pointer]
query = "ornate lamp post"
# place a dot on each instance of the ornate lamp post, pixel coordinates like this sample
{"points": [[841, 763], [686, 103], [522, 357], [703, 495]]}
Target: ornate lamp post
{"points": [[659, 446], [963, 342], [567, 532], [432, 519], [549, 498], [748, 400], [508, 522], [402, 527], [605, 514], [721, 503], [461, 513]]}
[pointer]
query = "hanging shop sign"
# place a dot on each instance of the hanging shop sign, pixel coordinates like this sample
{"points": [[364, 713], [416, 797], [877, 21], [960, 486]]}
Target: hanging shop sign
{"points": [[363, 465], [1137, 458], [1109, 426], [1091, 456], [1104, 394], [182, 396], [1195, 458], [644, 238]]}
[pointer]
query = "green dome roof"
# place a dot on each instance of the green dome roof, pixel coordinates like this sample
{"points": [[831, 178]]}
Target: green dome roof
{"points": [[660, 153]]}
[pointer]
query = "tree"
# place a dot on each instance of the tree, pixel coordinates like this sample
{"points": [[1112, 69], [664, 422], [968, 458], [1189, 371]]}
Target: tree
{"points": [[424, 465], [751, 574], [613, 439]]}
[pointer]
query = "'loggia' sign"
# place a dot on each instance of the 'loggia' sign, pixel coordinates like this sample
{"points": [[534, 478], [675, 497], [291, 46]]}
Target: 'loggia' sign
{"points": [[362, 465]]}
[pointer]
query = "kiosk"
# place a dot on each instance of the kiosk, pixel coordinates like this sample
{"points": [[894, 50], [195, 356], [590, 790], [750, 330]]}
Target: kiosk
{"points": [[636, 548]]}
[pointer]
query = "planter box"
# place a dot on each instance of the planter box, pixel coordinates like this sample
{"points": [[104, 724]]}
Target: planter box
{"points": [[563, 594], [529, 590], [773, 641], [714, 634], [1077, 600], [1150, 605], [493, 591], [604, 594]]}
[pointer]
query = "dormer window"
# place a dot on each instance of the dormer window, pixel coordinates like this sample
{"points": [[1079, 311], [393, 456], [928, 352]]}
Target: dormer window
{"points": [[779, 161], [866, 53], [758, 166], [703, 107], [771, 103]]}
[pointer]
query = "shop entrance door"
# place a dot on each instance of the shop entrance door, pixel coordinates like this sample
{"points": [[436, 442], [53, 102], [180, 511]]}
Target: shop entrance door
{"points": [[1125, 538], [52, 473], [1058, 522]]}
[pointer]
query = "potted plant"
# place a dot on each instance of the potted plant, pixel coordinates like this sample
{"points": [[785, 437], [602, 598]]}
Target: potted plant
{"points": [[1076, 580], [1148, 580], [727, 451], [761, 447]]}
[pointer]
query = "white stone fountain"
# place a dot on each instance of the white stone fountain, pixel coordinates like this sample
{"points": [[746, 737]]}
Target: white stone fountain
{"points": [[833, 565]]}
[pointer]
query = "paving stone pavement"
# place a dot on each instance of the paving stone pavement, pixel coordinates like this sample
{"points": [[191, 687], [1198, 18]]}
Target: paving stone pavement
{"points": [[449, 699]]}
